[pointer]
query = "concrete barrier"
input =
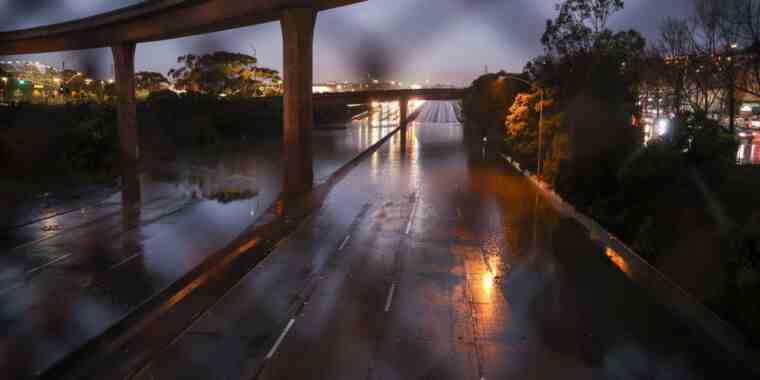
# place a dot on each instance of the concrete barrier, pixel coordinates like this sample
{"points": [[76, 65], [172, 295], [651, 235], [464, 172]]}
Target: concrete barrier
{"points": [[665, 290]]}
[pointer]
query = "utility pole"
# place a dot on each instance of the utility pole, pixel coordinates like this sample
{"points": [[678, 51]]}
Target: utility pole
{"points": [[732, 89], [540, 131], [255, 67]]}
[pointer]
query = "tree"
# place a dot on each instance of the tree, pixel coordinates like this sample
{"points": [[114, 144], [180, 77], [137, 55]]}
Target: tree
{"points": [[221, 73], [578, 26], [591, 77], [485, 107], [522, 131], [147, 82], [739, 27], [700, 75]]}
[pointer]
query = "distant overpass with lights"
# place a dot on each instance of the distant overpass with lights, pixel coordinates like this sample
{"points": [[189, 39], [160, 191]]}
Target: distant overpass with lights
{"points": [[389, 95]]}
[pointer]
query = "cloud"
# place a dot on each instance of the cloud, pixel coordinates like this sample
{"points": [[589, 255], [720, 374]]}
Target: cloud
{"points": [[444, 40]]}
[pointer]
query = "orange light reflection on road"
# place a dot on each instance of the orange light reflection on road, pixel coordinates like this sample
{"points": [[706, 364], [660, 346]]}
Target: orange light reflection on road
{"points": [[488, 280], [619, 261]]}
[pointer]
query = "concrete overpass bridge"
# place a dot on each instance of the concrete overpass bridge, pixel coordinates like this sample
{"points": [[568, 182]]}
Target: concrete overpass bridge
{"points": [[123, 29], [401, 96], [497, 288]]}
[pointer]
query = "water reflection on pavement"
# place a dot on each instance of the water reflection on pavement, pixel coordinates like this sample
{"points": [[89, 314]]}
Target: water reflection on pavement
{"points": [[65, 278], [430, 262]]}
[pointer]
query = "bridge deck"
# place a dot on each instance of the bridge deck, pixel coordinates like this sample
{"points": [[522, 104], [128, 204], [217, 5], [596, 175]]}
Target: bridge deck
{"points": [[152, 21]]}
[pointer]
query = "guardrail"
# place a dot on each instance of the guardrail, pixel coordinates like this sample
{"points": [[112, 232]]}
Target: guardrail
{"points": [[646, 275]]}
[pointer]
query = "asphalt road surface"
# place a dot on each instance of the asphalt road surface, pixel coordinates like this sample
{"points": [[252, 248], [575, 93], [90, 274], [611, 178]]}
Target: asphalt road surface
{"points": [[69, 271], [429, 262]]}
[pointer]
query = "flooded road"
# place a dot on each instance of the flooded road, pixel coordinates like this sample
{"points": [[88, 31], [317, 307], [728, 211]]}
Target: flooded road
{"points": [[427, 262], [68, 274]]}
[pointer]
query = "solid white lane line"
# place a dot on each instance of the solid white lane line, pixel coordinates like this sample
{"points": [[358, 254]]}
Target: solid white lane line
{"points": [[279, 340], [390, 298], [345, 241], [48, 264]]}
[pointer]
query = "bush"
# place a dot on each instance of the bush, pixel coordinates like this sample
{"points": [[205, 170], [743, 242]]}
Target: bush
{"points": [[160, 99], [651, 167], [712, 144], [92, 145], [704, 140], [743, 288]]}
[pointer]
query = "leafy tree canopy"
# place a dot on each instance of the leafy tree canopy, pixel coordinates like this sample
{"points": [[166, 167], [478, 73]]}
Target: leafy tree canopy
{"points": [[578, 26], [150, 81], [231, 74]]}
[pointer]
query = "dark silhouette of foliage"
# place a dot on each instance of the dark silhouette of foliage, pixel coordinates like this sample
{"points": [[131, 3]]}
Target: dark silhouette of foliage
{"points": [[223, 73], [149, 81]]}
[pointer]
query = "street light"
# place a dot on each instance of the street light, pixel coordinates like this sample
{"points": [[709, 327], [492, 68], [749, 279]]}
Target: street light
{"points": [[5, 88], [540, 116], [732, 88]]}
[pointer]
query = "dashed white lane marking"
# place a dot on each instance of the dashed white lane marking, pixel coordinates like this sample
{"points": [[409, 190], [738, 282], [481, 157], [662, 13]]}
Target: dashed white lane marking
{"points": [[411, 217], [279, 340], [390, 297], [345, 241], [459, 212]]}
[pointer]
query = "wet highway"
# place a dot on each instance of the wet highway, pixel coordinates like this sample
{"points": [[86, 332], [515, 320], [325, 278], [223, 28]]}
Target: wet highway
{"points": [[69, 273], [429, 261]]}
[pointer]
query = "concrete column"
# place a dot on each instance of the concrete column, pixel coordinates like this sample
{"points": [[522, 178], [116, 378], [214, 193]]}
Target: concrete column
{"points": [[403, 115], [298, 40], [126, 108], [403, 111]]}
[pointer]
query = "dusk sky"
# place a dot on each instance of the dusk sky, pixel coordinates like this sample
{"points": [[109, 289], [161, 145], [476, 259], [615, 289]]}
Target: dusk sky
{"points": [[408, 40]]}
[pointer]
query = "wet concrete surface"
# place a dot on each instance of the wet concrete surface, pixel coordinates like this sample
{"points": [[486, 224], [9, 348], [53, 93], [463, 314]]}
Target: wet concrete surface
{"points": [[429, 261], [68, 276]]}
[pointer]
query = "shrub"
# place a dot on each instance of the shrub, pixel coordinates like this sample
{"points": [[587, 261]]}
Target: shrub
{"points": [[92, 145], [651, 167], [743, 288]]}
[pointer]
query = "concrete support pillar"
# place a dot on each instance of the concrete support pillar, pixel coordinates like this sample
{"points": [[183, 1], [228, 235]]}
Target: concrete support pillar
{"points": [[403, 116], [403, 111], [298, 39], [126, 108]]}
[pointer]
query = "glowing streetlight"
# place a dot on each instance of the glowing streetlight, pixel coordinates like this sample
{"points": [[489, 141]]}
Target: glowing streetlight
{"points": [[662, 127]]}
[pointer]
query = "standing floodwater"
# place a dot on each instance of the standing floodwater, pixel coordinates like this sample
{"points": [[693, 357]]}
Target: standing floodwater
{"points": [[70, 270]]}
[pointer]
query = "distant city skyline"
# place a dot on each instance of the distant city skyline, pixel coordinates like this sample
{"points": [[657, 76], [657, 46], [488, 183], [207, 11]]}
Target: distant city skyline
{"points": [[443, 41]]}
